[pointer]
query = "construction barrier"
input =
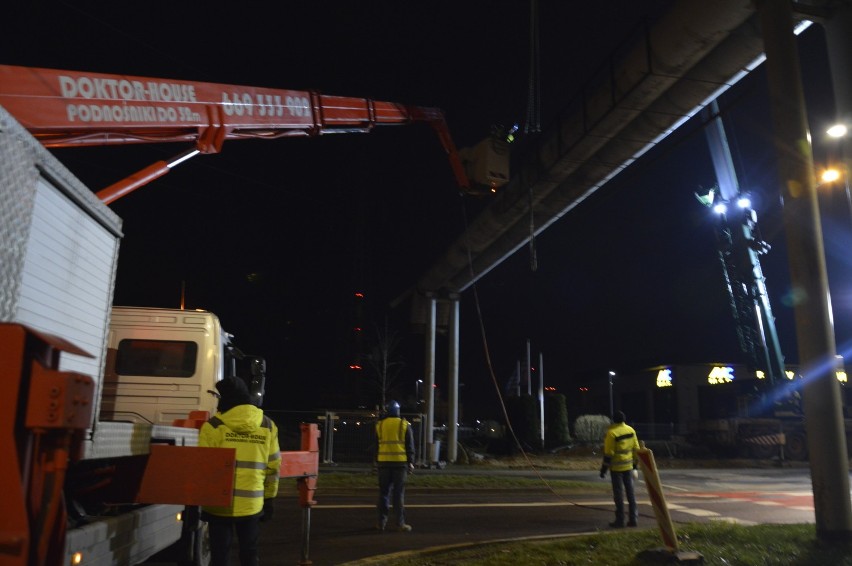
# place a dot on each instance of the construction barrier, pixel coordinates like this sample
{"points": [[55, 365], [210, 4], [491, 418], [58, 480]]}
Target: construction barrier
{"points": [[658, 500]]}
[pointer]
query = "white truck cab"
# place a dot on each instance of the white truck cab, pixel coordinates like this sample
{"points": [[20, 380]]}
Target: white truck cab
{"points": [[161, 364]]}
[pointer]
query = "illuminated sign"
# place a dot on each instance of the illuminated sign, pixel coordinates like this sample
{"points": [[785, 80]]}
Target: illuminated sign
{"points": [[788, 374], [841, 376], [664, 378], [720, 374]]}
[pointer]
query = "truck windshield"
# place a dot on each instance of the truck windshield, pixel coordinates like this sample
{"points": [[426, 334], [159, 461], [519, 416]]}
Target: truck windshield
{"points": [[157, 358]]}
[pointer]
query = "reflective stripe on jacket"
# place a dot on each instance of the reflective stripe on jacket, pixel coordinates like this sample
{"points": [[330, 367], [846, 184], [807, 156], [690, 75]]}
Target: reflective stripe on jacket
{"points": [[258, 458], [391, 435], [620, 446]]}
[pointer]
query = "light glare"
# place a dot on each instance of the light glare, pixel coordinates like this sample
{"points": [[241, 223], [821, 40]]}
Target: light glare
{"points": [[837, 131], [720, 374], [830, 175], [664, 378]]}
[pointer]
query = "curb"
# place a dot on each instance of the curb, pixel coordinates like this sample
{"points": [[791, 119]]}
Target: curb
{"points": [[380, 559]]}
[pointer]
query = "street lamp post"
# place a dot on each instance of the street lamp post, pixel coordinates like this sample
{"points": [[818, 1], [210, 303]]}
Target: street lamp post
{"points": [[611, 409], [417, 394], [838, 169]]}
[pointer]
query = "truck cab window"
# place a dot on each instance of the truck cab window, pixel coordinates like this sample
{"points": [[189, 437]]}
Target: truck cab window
{"points": [[157, 358]]}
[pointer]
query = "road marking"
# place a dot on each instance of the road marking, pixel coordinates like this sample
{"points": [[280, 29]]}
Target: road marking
{"points": [[459, 505], [716, 498], [667, 486], [734, 520], [700, 512]]}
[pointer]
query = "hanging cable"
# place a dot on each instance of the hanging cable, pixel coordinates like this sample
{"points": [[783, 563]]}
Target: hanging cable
{"points": [[517, 442], [533, 120], [533, 253]]}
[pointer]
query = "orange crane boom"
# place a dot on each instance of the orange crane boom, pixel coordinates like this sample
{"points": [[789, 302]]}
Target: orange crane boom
{"points": [[71, 108]]}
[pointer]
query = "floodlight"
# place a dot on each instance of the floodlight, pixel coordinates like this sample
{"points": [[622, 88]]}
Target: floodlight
{"points": [[830, 175], [837, 131]]}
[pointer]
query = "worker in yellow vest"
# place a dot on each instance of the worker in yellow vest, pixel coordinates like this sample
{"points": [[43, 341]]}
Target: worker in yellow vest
{"points": [[620, 448], [241, 425], [394, 460]]}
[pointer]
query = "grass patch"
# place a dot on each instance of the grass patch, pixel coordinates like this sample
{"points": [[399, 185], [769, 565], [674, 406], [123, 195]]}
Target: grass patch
{"points": [[356, 480], [721, 544]]}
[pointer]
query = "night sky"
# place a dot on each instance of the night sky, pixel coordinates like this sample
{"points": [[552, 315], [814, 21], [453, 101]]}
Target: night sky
{"points": [[277, 236]]}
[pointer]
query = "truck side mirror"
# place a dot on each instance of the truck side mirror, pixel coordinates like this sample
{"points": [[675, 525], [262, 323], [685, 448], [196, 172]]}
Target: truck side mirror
{"points": [[257, 386]]}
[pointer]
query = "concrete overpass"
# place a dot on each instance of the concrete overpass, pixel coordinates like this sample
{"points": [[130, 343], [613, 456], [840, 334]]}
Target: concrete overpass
{"points": [[675, 68], [696, 51]]}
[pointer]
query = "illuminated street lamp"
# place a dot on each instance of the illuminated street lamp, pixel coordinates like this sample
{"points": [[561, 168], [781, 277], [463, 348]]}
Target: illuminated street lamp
{"points": [[830, 175], [417, 385], [837, 131]]}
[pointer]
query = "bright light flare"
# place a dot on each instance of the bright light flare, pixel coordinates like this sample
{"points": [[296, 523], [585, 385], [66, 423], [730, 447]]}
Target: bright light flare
{"points": [[720, 374], [830, 175], [720, 208], [744, 202], [837, 131]]}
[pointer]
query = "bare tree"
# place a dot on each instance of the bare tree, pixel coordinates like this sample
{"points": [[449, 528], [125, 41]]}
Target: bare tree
{"points": [[385, 360]]}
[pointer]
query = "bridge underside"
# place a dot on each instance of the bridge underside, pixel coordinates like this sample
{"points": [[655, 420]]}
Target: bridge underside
{"points": [[672, 70]]}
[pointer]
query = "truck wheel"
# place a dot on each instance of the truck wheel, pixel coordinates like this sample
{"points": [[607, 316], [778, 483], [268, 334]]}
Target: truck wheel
{"points": [[200, 547], [761, 452], [797, 446]]}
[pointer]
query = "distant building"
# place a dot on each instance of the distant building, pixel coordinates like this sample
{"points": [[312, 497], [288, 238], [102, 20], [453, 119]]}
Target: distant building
{"points": [[680, 395]]}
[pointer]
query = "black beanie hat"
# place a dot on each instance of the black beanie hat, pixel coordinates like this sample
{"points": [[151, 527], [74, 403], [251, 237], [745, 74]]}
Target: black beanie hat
{"points": [[232, 392]]}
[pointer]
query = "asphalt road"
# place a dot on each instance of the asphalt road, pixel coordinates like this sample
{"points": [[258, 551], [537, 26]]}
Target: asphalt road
{"points": [[342, 524]]}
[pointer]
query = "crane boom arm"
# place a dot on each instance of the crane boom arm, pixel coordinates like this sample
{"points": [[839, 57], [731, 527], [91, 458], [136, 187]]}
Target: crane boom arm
{"points": [[69, 108]]}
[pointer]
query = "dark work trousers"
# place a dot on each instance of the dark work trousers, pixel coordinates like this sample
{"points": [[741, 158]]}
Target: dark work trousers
{"points": [[222, 533], [392, 478], [622, 484]]}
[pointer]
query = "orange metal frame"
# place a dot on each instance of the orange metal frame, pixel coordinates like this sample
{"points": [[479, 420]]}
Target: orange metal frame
{"points": [[69, 108], [42, 416], [304, 465]]}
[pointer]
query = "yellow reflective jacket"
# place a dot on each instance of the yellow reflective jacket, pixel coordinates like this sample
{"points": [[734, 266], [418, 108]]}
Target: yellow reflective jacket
{"points": [[395, 441], [620, 446], [255, 437]]}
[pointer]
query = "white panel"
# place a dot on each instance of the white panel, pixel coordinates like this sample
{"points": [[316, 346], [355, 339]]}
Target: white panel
{"points": [[117, 439], [153, 528], [68, 276]]}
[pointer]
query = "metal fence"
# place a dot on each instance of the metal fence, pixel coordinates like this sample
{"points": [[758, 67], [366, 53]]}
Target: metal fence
{"points": [[345, 436], [654, 431], [349, 436]]}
